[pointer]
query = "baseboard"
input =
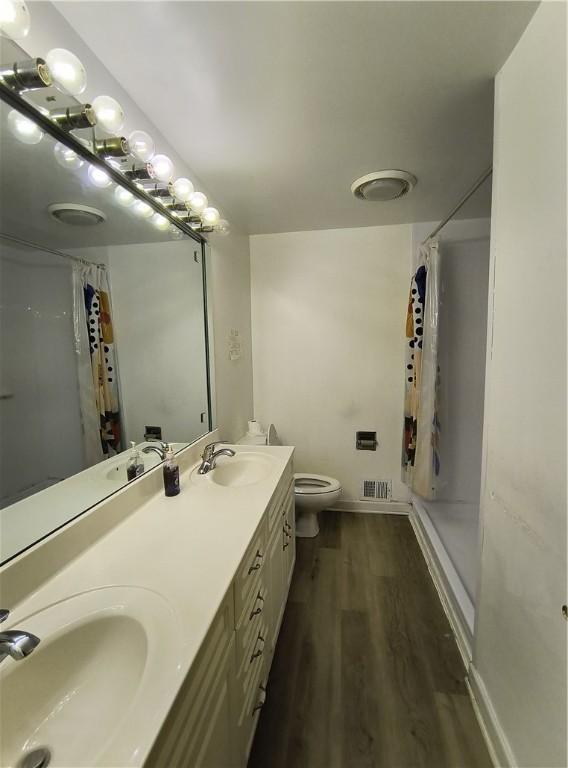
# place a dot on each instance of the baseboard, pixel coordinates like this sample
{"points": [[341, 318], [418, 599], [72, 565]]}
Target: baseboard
{"points": [[497, 743], [444, 576], [374, 507]]}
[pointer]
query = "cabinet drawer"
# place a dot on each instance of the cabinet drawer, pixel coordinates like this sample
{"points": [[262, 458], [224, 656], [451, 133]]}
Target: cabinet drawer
{"points": [[251, 568], [252, 693], [253, 620]]}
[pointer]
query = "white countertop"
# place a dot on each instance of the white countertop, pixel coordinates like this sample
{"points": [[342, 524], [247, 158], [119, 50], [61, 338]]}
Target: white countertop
{"points": [[187, 549]]}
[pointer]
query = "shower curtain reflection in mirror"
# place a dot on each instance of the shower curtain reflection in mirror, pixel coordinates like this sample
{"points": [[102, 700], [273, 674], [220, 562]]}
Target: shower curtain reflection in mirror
{"points": [[96, 362]]}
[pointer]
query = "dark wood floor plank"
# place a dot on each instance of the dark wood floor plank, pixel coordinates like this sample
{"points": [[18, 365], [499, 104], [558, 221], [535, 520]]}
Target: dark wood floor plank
{"points": [[367, 672]]}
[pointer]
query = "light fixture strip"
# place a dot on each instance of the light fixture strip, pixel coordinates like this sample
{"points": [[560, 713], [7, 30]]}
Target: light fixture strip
{"points": [[13, 99]]}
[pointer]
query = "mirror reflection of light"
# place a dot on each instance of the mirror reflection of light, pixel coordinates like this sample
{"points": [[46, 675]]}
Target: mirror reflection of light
{"points": [[23, 129], [124, 197], [143, 210], [98, 177], [67, 158], [159, 221]]}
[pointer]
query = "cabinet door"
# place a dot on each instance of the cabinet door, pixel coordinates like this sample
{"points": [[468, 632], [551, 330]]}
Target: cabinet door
{"points": [[276, 586], [218, 748]]}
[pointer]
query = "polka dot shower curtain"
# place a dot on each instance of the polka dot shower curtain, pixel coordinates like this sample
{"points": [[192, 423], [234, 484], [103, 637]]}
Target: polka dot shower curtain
{"points": [[94, 345], [420, 444]]}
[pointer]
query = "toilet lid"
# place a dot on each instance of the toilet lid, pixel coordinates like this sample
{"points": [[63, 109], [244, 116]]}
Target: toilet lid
{"points": [[309, 483]]}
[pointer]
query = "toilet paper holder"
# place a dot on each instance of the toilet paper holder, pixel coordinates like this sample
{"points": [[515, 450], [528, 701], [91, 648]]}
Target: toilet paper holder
{"points": [[366, 441]]}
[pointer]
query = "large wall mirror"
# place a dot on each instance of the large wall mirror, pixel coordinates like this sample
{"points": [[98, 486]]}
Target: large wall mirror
{"points": [[103, 335]]}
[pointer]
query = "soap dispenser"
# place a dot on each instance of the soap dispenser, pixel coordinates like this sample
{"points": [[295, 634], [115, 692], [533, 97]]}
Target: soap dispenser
{"points": [[171, 472], [135, 466]]}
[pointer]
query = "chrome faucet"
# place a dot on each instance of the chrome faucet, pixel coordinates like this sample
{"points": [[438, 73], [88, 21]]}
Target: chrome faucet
{"points": [[15, 642], [155, 449], [210, 456]]}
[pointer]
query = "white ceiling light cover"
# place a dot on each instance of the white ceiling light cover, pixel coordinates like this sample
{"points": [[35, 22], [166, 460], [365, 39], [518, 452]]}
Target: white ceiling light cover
{"points": [[381, 186]]}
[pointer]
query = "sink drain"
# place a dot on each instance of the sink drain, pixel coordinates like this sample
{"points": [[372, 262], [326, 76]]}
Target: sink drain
{"points": [[38, 758]]}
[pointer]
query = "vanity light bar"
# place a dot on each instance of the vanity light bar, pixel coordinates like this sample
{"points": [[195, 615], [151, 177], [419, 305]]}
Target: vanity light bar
{"points": [[27, 75], [70, 118], [62, 69]]}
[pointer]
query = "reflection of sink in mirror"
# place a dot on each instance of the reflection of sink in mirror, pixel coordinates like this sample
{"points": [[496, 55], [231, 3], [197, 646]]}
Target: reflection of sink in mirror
{"points": [[242, 469], [86, 641], [114, 469]]}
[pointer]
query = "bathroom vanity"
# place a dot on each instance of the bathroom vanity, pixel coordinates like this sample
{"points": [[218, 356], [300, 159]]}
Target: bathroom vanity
{"points": [[162, 618]]}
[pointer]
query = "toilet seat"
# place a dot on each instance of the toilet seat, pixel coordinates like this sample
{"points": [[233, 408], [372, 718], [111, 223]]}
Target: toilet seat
{"points": [[309, 484]]}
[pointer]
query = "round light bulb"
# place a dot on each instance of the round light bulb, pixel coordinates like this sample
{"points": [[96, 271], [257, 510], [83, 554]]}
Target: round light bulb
{"points": [[210, 217], [143, 210], [198, 202], [109, 113], [159, 221], [141, 146], [67, 72], [161, 167], [124, 197], [182, 189], [15, 19], [24, 129], [98, 177], [222, 227], [67, 158]]}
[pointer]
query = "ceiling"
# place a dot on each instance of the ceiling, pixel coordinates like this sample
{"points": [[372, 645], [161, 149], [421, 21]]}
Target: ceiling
{"points": [[279, 106]]}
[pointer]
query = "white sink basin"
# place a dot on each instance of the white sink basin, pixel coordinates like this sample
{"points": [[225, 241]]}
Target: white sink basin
{"points": [[243, 469], [84, 691]]}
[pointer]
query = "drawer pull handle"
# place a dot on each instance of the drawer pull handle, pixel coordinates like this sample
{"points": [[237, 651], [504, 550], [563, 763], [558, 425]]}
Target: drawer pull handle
{"points": [[255, 566], [256, 654], [261, 699], [258, 610], [286, 545]]}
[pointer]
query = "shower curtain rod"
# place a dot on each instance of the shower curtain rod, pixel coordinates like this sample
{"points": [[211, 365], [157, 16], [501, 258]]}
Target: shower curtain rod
{"points": [[477, 183], [53, 251]]}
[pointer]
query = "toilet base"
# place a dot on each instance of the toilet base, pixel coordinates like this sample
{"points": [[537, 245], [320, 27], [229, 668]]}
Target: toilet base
{"points": [[307, 526]]}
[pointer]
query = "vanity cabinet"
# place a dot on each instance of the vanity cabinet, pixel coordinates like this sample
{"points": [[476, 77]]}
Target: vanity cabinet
{"points": [[214, 717]]}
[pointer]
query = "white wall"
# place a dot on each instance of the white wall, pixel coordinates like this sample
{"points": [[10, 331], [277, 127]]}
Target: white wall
{"points": [[229, 283], [520, 635], [328, 313]]}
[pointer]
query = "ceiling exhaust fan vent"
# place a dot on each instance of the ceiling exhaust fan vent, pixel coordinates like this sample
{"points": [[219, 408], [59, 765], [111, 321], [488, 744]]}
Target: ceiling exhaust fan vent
{"points": [[380, 186], [76, 215]]}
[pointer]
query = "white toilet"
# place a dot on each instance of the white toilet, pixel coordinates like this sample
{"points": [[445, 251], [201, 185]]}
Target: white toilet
{"points": [[312, 492]]}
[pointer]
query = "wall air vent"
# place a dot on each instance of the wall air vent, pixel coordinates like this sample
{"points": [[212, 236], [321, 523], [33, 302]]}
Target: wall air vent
{"points": [[376, 489]]}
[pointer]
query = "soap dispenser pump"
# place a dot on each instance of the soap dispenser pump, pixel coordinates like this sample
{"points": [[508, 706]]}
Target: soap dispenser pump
{"points": [[135, 466], [171, 472]]}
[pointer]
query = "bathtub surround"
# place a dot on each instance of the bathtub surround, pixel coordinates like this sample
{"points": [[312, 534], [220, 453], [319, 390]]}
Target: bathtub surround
{"points": [[328, 348]]}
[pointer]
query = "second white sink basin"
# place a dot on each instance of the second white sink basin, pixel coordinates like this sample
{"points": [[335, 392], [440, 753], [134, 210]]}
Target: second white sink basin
{"points": [[103, 656], [243, 469]]}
